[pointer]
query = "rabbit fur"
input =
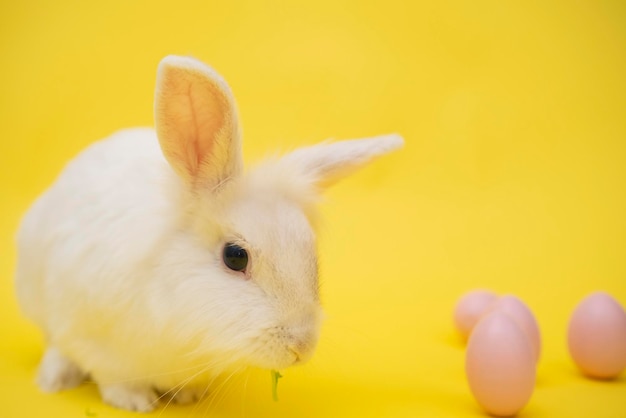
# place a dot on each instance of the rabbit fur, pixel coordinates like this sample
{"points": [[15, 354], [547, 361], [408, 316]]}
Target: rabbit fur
{"points": [[121, 260]]}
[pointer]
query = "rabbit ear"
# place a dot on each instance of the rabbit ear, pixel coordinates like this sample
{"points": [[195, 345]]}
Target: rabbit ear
{"points": [[326, 163], [196, 122]]}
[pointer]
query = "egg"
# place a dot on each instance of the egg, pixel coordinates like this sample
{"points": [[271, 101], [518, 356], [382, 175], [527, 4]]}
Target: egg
{"points": [[470, 308], [500, 365], [597, 336], [518, 310]]}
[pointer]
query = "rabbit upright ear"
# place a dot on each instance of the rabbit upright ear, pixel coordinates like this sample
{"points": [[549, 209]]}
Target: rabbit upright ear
{"points": [[326, 163], [196, 122]]}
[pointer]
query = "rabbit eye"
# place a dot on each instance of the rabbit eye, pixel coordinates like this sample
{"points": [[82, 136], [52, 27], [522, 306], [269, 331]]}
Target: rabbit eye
{"points": [[235, 257]]}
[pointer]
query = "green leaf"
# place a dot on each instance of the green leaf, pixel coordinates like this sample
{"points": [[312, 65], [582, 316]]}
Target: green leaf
{"points": [[275, 376]]}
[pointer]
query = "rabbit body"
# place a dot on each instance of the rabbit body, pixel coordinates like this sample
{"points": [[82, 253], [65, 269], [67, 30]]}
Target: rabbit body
{"points": [[95, 270], [122, 261]]}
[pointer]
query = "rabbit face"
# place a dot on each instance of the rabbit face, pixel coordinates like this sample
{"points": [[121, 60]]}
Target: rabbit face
{"points": [[282, 265]]}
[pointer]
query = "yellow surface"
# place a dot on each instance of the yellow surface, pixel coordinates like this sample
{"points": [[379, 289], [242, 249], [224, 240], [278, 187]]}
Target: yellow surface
{"points": [[513, 177]]}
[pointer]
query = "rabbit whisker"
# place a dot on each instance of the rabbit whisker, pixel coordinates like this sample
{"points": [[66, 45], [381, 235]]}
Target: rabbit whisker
{"points": [[219, 388]]}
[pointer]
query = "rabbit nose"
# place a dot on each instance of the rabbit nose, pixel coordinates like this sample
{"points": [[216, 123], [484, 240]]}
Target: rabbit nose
{"points": [[302, 342], [302, 350], [296, 354]]}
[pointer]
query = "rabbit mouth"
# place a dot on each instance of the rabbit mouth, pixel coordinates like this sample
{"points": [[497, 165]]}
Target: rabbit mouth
{"points": [[283, 347], [290, 356], [298, 358]]}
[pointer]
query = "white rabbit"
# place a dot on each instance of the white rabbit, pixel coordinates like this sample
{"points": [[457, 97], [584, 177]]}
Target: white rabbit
{"points": [[155, 262]]}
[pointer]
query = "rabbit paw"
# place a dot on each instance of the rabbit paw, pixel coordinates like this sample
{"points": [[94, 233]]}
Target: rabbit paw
{"points": [[58, 373], [131, 398], [183, 396]]}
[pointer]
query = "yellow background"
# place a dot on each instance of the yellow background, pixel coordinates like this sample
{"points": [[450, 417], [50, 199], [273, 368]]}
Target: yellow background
{"points": [[513, 176]]}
